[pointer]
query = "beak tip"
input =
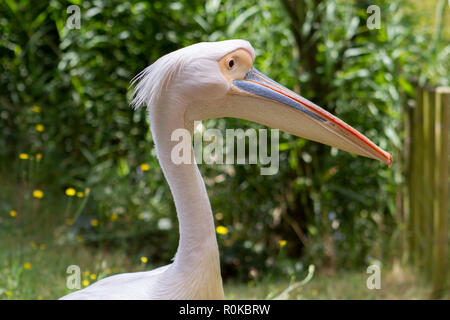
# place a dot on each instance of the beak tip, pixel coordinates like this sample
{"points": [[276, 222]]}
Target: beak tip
{"points": [[389, 159]]}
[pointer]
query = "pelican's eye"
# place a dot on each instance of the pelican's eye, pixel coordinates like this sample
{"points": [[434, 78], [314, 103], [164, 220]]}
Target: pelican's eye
{"points": [[235, 65], [231, 63]]}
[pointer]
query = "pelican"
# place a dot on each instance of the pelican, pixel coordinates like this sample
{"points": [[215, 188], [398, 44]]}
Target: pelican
{"points": [[204, 81]]}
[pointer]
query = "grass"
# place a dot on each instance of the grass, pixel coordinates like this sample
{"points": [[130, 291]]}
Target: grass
{"points": [[397, 283], [31, 272], [36, 248]]}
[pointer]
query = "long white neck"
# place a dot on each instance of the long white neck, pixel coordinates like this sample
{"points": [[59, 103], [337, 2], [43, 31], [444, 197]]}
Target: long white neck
{"points": [[197, 255]]}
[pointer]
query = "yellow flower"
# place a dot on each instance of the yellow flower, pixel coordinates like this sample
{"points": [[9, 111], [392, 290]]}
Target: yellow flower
{"points": [[9, 293], [107, 270], [86, 283], [94, 223], [86, 273], [80, 194], [93, 276], [13, 213], [144, 259], [114, 217], [38, 194], [144, 167], [33, 245], [23, 156], [39, 127], [69, 221], [39, 156], [282, 243], [222, 230], [42, 246], [314, 292], [70, 192], [36, 109], [27, 265], [140, 216]]}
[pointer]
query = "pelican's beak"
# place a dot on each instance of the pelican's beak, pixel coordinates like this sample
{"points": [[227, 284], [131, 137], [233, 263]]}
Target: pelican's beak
{"points": [[279, 107]]}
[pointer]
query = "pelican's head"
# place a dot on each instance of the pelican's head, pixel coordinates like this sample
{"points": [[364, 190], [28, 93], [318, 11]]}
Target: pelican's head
{"points": [[217, 79]]}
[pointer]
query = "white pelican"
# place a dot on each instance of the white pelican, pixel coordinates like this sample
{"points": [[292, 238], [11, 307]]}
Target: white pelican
{"points": [[203, 81]]}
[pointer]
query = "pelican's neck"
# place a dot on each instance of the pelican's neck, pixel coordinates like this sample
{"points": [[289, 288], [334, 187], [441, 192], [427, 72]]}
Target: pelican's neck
{"points": [[197, 233]]}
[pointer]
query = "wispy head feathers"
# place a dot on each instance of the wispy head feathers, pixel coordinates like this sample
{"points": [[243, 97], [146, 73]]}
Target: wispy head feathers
{"points": [[150, 83]]}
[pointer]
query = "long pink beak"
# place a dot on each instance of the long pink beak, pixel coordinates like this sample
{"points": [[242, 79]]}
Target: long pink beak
{"points": [[281, 108]]}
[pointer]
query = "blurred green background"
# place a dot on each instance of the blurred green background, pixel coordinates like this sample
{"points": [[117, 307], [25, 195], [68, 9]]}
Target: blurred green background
{"points": [[80, 182]]}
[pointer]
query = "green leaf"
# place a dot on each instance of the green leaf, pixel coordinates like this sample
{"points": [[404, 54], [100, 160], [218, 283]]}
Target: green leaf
{"points": [[212, 6], [241, 19], [123, 169], [202, 23], [39, 20], [406, 85]]}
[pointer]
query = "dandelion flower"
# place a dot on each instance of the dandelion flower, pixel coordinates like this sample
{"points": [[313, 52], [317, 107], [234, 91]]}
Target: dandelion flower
{"points": [[86, 283], [36, 109], [13, 213], [92, 276], [42, 246], [39, 156], [40, 128], [144, 259], [38, 194], [9, 293], [23, 156], [80, 194], [144, 167], [114, 217], [86, 273], [94, 223], [282, 243], [222, 230], [70, 192], [27, 265]]}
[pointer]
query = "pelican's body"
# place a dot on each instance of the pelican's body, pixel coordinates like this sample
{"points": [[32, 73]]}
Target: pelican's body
{"points": [[203, 81]]}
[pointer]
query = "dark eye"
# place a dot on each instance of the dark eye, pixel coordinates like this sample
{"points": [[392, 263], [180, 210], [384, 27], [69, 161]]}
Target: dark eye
{"points": [[231, 63]]}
